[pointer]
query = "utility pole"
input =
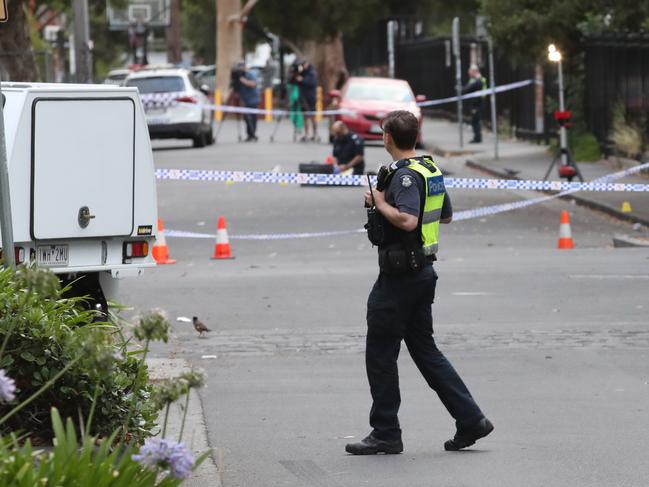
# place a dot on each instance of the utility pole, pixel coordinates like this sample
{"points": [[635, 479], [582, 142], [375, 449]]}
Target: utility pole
{"points": [[83, 52], [230, 18], [229, 48], [174, 48], [6, 228]]}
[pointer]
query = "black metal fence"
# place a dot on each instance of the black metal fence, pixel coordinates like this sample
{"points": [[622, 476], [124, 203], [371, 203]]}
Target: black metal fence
{"points": [[429, 66], [617, 72]]}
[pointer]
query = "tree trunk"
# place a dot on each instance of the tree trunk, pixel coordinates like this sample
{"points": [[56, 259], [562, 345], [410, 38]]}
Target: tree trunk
{"points": [[174, 47], [329, 59], [229, 47], [16, 55]]}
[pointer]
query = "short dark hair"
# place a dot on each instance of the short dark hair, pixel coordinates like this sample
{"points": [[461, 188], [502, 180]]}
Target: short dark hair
{"points": [[403, 127]]}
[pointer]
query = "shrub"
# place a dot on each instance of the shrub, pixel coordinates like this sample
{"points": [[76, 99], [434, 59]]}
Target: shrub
{"points": [[93, 462], [44, 335], [626, 136], [584, 147]]}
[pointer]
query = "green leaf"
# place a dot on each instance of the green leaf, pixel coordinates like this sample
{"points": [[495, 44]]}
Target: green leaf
{"points": [[27, 356], [6, 361]]}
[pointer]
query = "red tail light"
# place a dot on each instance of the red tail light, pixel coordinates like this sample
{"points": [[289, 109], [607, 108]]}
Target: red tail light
{"points": [[136, 249], [186, 99], [19, 255]]}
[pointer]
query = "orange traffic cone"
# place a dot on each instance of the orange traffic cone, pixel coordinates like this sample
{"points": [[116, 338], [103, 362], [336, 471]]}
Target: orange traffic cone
{"points": [[222, 248], [565, 235], [160, 250]]}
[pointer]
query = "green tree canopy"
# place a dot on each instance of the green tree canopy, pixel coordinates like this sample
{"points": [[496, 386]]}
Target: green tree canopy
{"points": [[526, 27]]}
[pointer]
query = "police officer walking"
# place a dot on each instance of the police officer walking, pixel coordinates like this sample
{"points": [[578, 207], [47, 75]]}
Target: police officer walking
{"points": [[411, 202], [476, 82]]}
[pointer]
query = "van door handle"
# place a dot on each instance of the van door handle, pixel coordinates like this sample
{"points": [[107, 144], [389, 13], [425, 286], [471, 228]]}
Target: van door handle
{"points": [[85, 216]]}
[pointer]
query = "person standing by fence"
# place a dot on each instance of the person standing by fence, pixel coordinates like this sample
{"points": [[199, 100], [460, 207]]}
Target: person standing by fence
{"points": [[476, 82]]}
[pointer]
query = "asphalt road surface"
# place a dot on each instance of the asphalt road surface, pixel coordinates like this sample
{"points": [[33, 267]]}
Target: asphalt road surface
{"points": [[554, 345]]}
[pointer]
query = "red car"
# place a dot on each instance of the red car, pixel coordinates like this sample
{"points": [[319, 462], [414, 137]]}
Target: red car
{"points": [[369, 100]]}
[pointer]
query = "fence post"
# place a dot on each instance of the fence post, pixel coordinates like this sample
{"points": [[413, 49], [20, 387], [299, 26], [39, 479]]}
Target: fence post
{"points": [[391, 63], [268, 104], [492, 85], [458, 74], [318, 104], [218, 114]]}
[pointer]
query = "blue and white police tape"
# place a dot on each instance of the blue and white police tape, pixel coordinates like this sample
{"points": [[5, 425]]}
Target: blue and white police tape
{"points": [[476, 94], [277, 112], [598, 185], [282, 112], [602, 182]]}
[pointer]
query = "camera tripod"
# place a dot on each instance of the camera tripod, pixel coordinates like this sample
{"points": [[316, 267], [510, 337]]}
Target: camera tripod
{"points": [[232, 100], [568, 168]]}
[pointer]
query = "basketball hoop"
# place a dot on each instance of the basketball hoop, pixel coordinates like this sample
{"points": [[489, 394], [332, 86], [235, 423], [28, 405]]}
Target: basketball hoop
{"points": [[152, 13]]}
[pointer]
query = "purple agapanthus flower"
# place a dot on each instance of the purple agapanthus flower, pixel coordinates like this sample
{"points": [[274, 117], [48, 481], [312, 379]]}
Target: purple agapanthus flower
{"points": [[168, 455], [7, 387]]}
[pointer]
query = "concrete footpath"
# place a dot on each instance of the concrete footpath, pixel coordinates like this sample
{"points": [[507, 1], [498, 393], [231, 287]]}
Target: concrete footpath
{"points": [[208, 473], [526, 160]]}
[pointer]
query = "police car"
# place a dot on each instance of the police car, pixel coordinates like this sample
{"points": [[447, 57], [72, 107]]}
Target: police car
{"points": [[81, 182], [175, 105]]}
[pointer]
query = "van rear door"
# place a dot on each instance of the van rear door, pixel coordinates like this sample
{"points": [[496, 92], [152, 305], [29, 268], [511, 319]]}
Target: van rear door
{"points": [[83, 163]]}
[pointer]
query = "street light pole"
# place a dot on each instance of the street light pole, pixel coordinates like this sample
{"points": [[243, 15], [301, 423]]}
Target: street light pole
{"points": [[5, 203]]}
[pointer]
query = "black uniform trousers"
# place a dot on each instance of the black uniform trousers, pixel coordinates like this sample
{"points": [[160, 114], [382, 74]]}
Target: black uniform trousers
{"points": [[399, 308], [476, 119], [251, 122]]}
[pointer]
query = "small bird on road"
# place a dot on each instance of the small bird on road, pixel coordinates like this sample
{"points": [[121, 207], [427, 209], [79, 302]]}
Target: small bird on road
{"points": [[199, 326]]}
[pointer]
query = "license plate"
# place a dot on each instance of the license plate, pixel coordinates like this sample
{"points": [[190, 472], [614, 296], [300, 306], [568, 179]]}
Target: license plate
{"points": [[158, 120], [52, 255], [154, 111], [376, 129]]}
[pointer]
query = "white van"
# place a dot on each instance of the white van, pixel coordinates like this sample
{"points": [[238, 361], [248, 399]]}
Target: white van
{"points": [[82, 183]]}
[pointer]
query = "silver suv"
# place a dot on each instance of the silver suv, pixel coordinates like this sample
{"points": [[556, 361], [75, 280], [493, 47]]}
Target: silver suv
{"points": [[175, 105]]}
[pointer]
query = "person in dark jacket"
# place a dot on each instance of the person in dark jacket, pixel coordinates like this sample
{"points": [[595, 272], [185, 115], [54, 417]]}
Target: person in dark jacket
{"points": [[307, 79], [245, 84], [476, 83]]}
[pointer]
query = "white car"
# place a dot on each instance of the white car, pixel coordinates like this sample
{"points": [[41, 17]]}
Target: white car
{"points": [[175, 105], [116, 76]]}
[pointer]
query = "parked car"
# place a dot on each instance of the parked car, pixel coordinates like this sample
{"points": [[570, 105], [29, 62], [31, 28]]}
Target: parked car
{"points": [[116, 76], [207, 77], [175, 105], [369, 100]]}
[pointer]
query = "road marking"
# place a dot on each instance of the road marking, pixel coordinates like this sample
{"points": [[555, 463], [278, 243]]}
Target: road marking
{"points": [[471, 293], [263, 236], [601, 277]]}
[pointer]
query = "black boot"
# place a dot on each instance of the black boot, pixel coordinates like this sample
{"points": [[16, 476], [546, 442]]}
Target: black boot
{"points": [[468, 437], [372, 446]]}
